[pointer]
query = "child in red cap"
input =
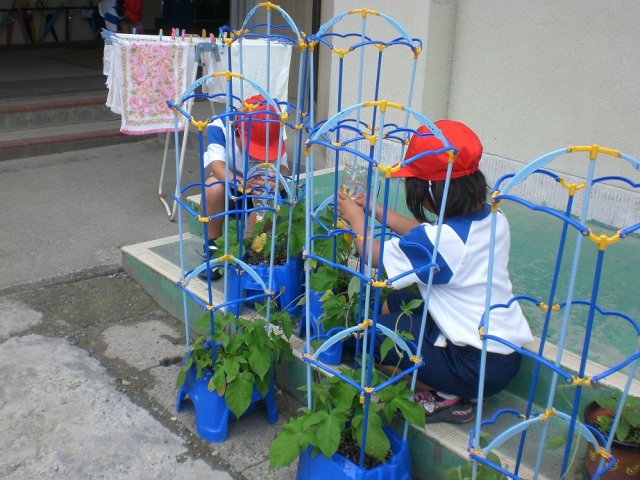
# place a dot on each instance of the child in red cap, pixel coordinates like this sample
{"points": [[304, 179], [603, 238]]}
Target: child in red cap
{"points": [[257, 136], [451, 346]]}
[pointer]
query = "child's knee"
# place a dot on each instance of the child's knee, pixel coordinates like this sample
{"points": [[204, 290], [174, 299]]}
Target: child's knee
{"points": [[214, 192], [384, 310]]}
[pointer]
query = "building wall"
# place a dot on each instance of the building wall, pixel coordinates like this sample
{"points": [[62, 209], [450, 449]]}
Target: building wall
{"points": [[532, 76], [529, 76], [397, 61]]}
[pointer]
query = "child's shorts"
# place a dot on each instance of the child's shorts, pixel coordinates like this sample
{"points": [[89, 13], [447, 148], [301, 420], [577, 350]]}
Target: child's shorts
{"points": [[452, 369]]}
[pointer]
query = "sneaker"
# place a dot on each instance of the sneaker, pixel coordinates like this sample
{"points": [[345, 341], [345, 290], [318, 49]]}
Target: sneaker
{"points": [[216, 273], [439, 409]]}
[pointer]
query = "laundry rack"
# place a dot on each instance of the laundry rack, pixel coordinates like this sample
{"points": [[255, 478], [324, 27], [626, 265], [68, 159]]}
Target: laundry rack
{"points": [[201, 45]]}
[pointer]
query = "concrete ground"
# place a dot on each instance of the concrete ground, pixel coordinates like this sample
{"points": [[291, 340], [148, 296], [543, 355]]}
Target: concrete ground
{"points": [[88, 361]]}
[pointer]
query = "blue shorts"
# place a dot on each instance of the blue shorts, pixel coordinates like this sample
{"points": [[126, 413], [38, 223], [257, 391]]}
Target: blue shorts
{"points": [[452, 369]]}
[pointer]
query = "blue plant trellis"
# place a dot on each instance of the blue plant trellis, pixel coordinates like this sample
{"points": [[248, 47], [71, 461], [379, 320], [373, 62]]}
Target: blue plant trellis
{"points": [[522, 422], [371, 282], [212, 424]]}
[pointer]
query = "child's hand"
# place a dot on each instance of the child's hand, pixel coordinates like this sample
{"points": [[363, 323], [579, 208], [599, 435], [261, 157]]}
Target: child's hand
{"points": [[361, 199], [348, 208]]}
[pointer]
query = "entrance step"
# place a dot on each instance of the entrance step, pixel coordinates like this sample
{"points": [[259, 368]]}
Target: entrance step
{"points": [[21, 116], [42, 126]]}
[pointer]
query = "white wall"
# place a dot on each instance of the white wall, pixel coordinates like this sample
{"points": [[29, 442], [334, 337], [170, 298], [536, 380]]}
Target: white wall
{"points": [[533, 76], [529, 76], [397, 60]]}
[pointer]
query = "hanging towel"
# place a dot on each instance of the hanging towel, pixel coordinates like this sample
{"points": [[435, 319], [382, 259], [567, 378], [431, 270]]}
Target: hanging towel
{"points": [[114, 77], [254, 66], [152, 72]]}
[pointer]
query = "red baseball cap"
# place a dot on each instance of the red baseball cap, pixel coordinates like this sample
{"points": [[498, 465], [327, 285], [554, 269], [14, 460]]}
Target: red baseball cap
{"points": [[256, 126], [434, 166]]}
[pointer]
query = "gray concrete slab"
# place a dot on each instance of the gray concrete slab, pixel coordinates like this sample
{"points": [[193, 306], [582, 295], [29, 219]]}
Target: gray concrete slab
{"points": [[69, 213], [88, 373], [70, 422]]}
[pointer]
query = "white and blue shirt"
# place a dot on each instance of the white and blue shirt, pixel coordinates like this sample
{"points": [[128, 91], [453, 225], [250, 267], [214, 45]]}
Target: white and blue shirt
{"points": [[459, 287], [217, 147], [107, 10]]}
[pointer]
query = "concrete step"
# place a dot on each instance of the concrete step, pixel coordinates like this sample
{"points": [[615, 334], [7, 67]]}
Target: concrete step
{"points": [[55, 111], [49, 140], [32, 89], [44, 116], [156, 266]]}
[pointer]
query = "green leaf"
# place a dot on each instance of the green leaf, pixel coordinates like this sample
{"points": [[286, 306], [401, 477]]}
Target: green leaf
{"points": [[324, 279], [608, 402], [412, 305], [386, 346], [203, 324], [456, 473], [238, 394], [335, 309], [377, 441], [231, 368], [622, 432], [260, 361], [328, 435], [218, 382], [182, 376], [284, 450], [407, 335], [262, 384], [411, 411], [311, 419], [354, 287], [343, 395], [557, 441]]}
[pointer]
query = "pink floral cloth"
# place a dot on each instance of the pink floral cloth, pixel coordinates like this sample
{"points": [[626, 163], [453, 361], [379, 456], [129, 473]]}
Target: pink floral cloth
{"points": [[152, 73]]}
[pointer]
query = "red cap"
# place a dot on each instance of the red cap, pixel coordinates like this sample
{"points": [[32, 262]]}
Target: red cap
{"points": [[434, 167], [257, 144]]}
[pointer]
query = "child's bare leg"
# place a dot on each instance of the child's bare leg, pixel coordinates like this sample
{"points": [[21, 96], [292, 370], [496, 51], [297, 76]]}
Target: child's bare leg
{"points": [[251, 222], [215, 204], [385, 309]]}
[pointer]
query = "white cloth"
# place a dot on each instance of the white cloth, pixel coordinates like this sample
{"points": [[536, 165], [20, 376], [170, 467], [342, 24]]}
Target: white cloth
{"points": [[254, 67], [114, 77], [458, 293], [143, 72]]}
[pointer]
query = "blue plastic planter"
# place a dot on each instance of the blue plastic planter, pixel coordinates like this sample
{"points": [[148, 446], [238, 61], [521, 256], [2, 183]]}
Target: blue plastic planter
{"points": [[287, 277], [212, 412], [338, 467], [316, 310], [333, 356]]}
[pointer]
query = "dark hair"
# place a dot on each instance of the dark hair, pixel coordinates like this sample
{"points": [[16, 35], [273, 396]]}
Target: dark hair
{"points": [[466, 195], [120, 10]]}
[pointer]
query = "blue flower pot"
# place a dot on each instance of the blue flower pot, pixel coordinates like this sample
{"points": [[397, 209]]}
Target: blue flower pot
{"points": [[333, 356], [316, 310], [338, 467], [287, 283], [212, 412]]}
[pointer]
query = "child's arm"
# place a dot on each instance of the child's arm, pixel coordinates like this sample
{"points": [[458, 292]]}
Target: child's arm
{"points": [[218, 170], [351, 211], [397, 222]]}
